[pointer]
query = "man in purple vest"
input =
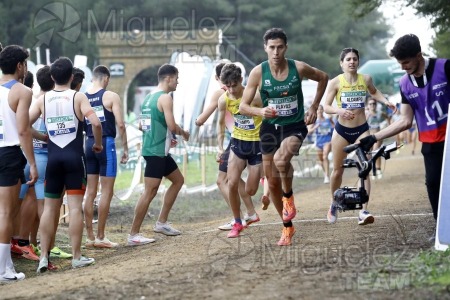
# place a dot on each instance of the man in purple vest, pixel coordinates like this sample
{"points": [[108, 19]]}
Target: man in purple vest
{"points": [[425, 92]]}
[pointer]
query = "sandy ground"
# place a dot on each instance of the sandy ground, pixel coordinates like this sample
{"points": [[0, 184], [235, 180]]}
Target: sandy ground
{"points": [[339, 261]]}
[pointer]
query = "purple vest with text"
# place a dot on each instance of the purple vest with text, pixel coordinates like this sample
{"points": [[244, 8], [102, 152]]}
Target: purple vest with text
{"points": [[430, 103]]}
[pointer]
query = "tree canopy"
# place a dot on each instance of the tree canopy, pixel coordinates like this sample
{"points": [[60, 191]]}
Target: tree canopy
{"points": [[438, 11], [316, 33]]}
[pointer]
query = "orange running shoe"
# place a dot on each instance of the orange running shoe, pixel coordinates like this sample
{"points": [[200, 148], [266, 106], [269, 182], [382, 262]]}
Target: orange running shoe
{"points": [[286, 236], [28, 252], [15, 247], [289, 210], [265, 201]]}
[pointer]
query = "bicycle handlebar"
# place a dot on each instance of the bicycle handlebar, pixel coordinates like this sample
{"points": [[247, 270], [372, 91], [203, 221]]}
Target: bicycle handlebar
{"points": [[364, 165], [350, 148]]}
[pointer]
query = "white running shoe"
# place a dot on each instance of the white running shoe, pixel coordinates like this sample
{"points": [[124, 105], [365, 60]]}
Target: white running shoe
{"points": [[326, 179], [138, 239], [365, 218], [229, 225], [105, 243], [166, 229], [250, 219], [89, 243], [332, 214], [43, 265], [11, 275], [379, 174], [82, 262]]}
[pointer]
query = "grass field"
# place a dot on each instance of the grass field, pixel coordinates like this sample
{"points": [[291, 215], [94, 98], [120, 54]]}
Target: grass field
{"points": [[193, 176]]}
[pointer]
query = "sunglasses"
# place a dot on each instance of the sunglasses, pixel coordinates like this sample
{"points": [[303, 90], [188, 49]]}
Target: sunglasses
{"points": [[372, 104], [350, 50]]}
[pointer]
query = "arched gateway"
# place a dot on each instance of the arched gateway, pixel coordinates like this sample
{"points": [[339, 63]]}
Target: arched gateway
{"points": [[127, 55]]}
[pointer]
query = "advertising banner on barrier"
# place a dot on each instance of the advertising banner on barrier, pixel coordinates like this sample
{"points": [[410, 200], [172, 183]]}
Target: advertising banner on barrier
{"points": [[443, 221]]}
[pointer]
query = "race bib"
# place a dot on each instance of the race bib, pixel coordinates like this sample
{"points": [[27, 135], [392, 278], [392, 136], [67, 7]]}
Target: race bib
{"points": [[146, 122], [100, 112], [353, 100], [61, 125], [244, 122], [286, 106]]}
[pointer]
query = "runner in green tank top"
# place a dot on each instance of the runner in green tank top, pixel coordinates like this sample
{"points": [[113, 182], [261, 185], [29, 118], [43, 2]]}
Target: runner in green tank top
{"points": [[158, 124], [284, 96], [156, 136], [283, 130]]}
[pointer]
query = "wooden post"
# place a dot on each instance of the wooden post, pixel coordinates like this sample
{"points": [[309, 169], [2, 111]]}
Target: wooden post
{"points": [[138, 151], [203, 167], [185, 160], [64, 211]]}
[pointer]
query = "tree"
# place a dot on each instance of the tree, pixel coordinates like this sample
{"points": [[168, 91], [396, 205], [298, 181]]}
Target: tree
{"points": [[437, 10], [317, 33], [440, 43]]}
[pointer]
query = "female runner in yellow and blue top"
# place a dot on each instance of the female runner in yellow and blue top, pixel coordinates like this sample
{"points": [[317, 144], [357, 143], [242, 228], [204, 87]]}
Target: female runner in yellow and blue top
{"points": [[350, 90]]}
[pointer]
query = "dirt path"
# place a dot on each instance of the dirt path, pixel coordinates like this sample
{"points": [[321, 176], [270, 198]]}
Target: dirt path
{"points": [[337, 261]]}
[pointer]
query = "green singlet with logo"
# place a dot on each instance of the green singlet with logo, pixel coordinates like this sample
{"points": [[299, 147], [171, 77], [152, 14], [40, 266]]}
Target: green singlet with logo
{"points": [[156, 136], [286, 96]]}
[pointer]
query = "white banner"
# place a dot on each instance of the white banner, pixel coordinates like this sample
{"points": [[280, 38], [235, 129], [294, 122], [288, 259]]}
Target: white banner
{"points": [[443, 221]]}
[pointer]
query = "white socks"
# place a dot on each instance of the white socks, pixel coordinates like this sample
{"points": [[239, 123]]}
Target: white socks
{"points": [[5, 255]]}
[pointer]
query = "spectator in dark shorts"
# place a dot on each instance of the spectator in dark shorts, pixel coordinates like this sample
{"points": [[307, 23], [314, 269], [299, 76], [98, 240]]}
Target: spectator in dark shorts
{"points": [[158, 124], [15, 100]]}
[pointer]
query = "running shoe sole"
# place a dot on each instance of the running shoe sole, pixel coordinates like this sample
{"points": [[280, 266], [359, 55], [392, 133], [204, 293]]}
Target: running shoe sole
{"points": [[140, 243], [366, 221]]}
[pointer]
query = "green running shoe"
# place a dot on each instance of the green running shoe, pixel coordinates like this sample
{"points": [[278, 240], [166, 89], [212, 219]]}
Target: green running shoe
{"points": [[58, 253], [36, 250]]}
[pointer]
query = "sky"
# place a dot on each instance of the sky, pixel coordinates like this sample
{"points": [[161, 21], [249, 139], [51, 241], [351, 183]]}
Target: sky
{"points": [[405, 20]]}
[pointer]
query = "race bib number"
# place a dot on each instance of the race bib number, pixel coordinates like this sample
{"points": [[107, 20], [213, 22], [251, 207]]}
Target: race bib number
{"points": [[353, 100], [61, 125], [146, 122], [244, 122], [100, 112], [286, 106]]}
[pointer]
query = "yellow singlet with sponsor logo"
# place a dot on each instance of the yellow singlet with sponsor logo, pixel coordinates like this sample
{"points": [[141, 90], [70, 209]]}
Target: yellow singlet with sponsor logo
{"points": [[245, 128], [351, 96]]}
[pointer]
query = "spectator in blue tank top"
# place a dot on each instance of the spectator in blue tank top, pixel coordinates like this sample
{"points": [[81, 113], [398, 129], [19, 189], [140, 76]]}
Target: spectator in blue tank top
{"points": [[323, 130]]}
